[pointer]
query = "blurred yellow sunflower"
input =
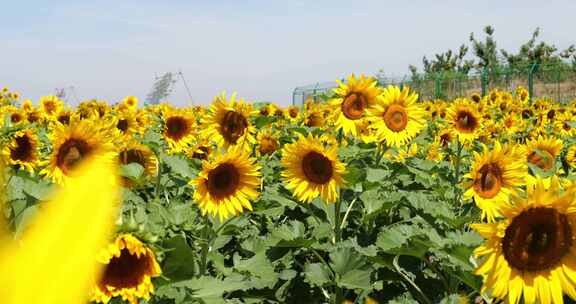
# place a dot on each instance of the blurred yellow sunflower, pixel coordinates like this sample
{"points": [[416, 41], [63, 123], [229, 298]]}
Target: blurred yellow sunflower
{"points": [[23, 150], [129, 267], [50, 106], [125, 125], [493, 177], [352, 100], [267, 142], [292, 113], [522, 95], [464, 119], [130, 103], [228, 123], [71, 144], [563, 125], [200, 150], [571, 156], [542, 152], [529, 254], [398, 116], [16, 116], [312, 170], [178, 129], [227, 184]]}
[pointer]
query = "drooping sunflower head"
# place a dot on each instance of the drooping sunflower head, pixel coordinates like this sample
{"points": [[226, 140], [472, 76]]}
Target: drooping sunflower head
{"points": [[179, 129], [542, 152], [73, 143], [495, 174], [312, 169], [267, 142], [528, 254], [23, 150], [227, 184], [476, 98], [398, 116], [464, 119], [200, 150], [352, 100], [134, 152], [129, 266], [50, 106], [228, 123]]}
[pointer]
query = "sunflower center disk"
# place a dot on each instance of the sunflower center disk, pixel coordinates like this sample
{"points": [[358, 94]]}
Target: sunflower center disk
{"points": [[15, 117], [353, 106], [71, 152], [233, 126], [466, 122], [125, 271], [223, 180], [177, 127], [132, 156], [23, 150], [317, 167], [537, 239], [542, 159], [122, 125], [489, 182], [396, 118], [268, 145]]}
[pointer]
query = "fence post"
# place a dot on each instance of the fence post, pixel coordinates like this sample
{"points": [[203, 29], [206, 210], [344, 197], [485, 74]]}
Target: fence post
{"points": [[558, 84], [294, 98], [484, 81], [437, 85], [531, 73]]}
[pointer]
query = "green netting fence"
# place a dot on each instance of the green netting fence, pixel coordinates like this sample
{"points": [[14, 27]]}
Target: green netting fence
{"points": [[557, 82]]}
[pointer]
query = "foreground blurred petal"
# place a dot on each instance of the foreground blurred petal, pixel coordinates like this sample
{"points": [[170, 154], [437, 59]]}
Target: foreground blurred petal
{"points": [[55, 260]]}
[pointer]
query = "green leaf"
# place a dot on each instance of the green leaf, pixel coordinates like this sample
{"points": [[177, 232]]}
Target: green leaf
{"points": [[355, 279], [132, 171], [394, 237], [376, 175], [178, 264], [179, 165], [344, 260], [317, 274], [262, 121]]}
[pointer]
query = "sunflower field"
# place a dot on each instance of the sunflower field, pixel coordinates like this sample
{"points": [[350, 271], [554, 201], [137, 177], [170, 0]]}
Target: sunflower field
{"points": [[371, 196]]}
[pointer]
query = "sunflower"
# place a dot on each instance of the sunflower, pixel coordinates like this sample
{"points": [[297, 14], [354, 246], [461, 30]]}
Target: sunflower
{"points": [[27, 105], [476, 98], [522, 95], [352, 100], [494, 175], [129, 267], [464, 119], [134, 152], [542, 152], [228, 123], [50, 106], [130, 103], [17, 116], [125, 125], [200, 150], [563, 125], [267, 142], [571, 156], [314, 118], [312, 170], [71, 144], [227, 184], [399, 116], [23, 150], [292, 113], [530, 253], [178, 129]]}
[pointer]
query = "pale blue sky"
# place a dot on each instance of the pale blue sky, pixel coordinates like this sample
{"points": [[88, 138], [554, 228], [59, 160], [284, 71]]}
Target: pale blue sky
{"points": [[261, 49]]}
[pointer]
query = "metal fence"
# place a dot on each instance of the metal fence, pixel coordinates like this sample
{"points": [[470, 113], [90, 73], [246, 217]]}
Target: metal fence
{"points": [[551, 81]]}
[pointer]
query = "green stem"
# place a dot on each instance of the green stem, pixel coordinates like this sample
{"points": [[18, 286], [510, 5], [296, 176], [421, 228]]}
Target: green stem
{"points": [[205, 244], [339, 293], [457, 172], [158, 177]]}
